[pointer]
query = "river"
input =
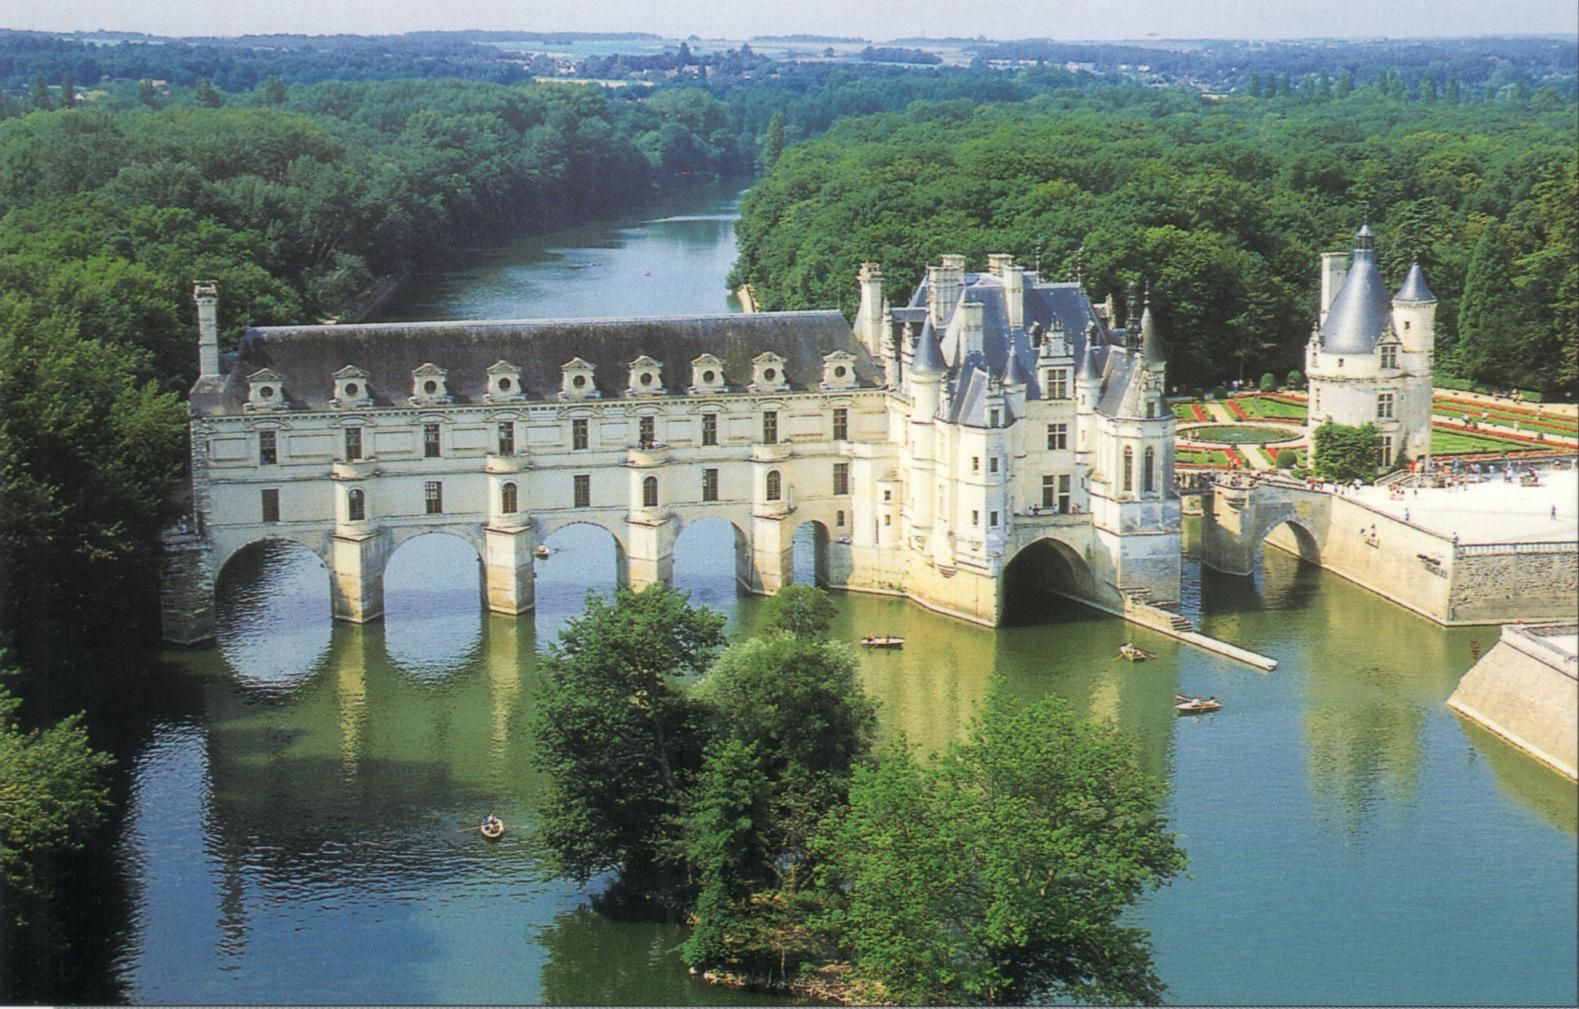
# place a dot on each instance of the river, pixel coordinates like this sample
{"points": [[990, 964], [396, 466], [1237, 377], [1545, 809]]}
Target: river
{"points": [[299, 796]]}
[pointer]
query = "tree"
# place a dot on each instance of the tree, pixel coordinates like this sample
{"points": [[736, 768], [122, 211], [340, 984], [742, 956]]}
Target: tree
{"points": [[146, 94], [271, 92], [773, 141], [205, 94], [1268, 382], [1296, 379], [53, 794], [1487, 312], [1002, 870], [619, 740], [803, 611], [38, 95], [68, 91], [1343, 453]]}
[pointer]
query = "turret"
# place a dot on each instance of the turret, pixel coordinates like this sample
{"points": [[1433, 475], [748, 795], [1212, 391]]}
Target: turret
{"points": [[1414, 312], [1150, 343], [1014, 380], [926, 377], [206, 294], [869, 317]]}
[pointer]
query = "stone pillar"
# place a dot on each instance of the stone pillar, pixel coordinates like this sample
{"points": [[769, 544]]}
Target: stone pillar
{"points": [[186, 589], [649, 552], [356, 575], [1226, 513], [772, 554], [509, 570]]}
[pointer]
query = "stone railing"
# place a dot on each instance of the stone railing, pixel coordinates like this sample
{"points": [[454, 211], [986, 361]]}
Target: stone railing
{"points": [[1549, 547]]}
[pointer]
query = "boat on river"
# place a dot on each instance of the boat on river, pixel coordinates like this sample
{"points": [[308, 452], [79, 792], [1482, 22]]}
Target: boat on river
{"points": [[492, 828], [1195, 705], [883, 641], [542, 551], [1134, 654]]}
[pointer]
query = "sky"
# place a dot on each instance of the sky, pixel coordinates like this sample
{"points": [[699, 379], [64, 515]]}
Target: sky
{"points": [[874, 19]]}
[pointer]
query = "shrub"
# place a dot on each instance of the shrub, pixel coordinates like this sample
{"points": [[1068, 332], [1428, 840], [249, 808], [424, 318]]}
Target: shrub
{"points": [[1268, 382], [1296, 380], [1197, 394], [1218, 392], [1286, 459]]}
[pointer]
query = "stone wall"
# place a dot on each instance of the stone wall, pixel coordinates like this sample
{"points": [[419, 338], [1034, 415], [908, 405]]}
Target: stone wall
{"points": [[1526, 689], [1542, 580]]}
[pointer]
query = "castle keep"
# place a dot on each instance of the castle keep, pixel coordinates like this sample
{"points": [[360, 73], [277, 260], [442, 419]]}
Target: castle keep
{"points": [[996, 423]]}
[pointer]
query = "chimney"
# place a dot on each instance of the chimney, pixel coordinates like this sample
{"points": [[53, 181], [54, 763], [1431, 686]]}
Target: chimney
{"points": [[1334, 268], [971, 330], [206, 294], [996, 261], [1013, 292], [945, 284], [869, 317]]}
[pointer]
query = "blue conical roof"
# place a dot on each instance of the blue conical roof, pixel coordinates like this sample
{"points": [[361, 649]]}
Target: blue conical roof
{"points": [[1415, 288], [928, 358], [1361, 312]]}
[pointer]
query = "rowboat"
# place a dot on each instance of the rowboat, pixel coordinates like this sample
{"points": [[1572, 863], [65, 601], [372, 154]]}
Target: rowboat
{"points": [[492, 828], [1133, 654], [1195, 705], [883, 641], [541, 551]]}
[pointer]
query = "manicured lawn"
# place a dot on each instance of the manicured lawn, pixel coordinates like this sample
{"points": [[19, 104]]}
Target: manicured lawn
{"points": [[1257, 407], [1454, 443], [1241, 434], [1184, 411], [1200, 457], [1505, 417]]}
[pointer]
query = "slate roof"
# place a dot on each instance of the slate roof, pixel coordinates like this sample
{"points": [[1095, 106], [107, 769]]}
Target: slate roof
{"points": [[1415, 288], [308, 356], [1361, 312]]}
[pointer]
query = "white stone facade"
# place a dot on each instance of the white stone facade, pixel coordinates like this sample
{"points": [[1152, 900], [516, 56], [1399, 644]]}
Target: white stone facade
{"points": [[929, 446]]}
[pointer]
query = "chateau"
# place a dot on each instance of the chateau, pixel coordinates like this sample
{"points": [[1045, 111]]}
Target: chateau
{"points": [[1369, 358], [997, 427]]}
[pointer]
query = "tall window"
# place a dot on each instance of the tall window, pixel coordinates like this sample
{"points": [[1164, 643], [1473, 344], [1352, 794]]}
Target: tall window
{"points": [[268, 448], [1049, 490], [994, 417], [1384, 451], [1148, 473], [839, 518], [1384, 405], [647, 431], [841, 424], [709, 429], [770, 427], [271, 505], [709, 485], [507, 437], [1058, 436], [1129, 469], [1058, 383], [353, 444], [775, 485], [975, 464], [992, 464], [582, 483], [841, 478], [430, 441], [433, 497], [1063, 494], [578, 434], [356, 505], [992, 519], [509, 499], [1389, 355], [649, 492]]}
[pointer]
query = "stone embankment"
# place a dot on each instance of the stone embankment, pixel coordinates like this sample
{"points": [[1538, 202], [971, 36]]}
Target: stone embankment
{"points": [[1526, 689]]}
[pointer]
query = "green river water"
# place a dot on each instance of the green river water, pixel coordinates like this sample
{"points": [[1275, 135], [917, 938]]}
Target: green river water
{"points": [[298, 795]]}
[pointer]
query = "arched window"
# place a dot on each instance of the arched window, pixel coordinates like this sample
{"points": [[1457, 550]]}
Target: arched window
{"points": [[1129, 469], [356, 505], [649, 492], [1148, 474], [509, 499], [775, 485]]}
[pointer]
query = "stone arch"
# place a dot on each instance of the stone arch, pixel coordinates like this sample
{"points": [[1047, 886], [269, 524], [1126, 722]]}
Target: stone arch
{"points": [[433, 616], [1299, 540], [549, 529], [811, 545], [273, 624], [314, 542], [697, 568], [1047, 565]]}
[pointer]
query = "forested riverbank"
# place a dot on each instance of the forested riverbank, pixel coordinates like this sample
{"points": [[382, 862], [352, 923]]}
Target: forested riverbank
{"points": [[1221, 207]]}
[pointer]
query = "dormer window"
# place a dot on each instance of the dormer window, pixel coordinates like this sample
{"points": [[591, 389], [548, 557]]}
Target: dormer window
{"points": [[707, 374], [350, 387], [504, 383], [767, 373], [266, 390], [429, 385], [646, 377], [576, 380], [1389, 356], [838, 370]]}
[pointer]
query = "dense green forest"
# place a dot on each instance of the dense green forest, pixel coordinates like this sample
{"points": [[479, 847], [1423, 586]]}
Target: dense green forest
{"points": [[1220, 207]]}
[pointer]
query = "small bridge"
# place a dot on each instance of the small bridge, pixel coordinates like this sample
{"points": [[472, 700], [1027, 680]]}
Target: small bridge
{"points": [[1238, 518]]}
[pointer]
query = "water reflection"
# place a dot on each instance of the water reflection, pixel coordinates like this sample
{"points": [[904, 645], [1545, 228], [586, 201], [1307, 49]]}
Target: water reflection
{"points": [[273, 617], [433, 588]]}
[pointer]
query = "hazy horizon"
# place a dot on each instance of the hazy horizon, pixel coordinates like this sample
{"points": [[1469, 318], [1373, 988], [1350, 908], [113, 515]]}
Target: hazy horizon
{"points": [[879, 20]]}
